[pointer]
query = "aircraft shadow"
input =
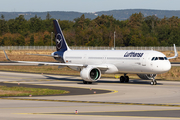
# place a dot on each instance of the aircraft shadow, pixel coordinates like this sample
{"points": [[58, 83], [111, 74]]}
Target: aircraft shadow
{"points": [[132, 81], [80, 81], [63, 79]]}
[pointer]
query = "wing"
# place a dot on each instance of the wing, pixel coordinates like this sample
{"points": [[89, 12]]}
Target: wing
{"points": [[43, 63], [102, 67]]}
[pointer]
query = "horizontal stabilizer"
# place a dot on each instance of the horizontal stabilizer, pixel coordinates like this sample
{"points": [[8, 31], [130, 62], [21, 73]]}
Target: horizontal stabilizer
{"points": [[44, 55]]}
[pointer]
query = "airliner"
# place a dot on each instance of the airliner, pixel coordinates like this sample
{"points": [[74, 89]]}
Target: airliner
{"points": [[92, 63]]}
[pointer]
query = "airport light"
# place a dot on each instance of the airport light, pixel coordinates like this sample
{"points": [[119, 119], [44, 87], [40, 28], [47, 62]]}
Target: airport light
{"points": [[51, 38], [114, 38]]}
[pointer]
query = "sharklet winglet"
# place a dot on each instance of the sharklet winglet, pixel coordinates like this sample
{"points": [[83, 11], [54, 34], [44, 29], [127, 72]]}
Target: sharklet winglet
{"points": [[6, 55], [175, 52]]}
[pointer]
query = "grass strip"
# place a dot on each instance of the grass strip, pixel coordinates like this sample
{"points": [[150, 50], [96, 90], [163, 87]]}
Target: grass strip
{"points": [[24, 91]]}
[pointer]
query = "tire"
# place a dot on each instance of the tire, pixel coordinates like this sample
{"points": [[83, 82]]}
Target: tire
{"points": [[122, 79], [85, 82], [152, 83], [89, 82], [155, 83], [127, 79]]}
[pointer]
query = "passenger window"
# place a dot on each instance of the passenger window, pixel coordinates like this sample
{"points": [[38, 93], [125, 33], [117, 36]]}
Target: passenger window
{"points": [[156, 58]]}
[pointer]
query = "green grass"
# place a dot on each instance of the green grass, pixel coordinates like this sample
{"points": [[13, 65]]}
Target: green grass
{"points": [[24, 91]]}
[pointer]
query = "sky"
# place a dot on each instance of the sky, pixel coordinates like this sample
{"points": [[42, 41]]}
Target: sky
{"points": [[85, 5]]}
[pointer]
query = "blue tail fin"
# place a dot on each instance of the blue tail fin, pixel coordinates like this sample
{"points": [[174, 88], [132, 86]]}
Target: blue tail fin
{"points": [[61, 44]]}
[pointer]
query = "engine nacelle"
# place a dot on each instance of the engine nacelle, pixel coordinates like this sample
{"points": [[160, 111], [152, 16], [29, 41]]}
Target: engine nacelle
{"points": [[147, 76], [90, 74]]}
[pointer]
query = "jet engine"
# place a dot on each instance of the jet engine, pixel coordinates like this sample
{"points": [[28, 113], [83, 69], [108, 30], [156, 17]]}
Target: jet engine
{"points": [[147, 76], [90, 74]]}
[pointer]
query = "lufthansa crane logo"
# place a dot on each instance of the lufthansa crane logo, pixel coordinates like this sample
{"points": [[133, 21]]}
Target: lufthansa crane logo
{"points": [[59, 41]]}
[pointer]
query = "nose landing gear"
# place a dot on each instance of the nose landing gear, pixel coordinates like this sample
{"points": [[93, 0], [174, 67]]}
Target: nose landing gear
{"points": [[153, 82]]}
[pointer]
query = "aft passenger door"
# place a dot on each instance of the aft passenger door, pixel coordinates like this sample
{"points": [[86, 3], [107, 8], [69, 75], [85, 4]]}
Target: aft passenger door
{"points": [[104, 59], [85, 59]]}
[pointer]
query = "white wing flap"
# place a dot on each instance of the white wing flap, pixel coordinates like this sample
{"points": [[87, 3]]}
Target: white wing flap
{"points": [[49, 63], [43, 63], [61, 64], [102, 67]]}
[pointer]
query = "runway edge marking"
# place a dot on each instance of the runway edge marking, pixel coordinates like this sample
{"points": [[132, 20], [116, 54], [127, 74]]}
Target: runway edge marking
{"points": [[96, 115]]}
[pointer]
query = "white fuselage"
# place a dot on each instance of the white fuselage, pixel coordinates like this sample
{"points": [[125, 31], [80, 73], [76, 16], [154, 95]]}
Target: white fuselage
{"points": [[121, 61]]}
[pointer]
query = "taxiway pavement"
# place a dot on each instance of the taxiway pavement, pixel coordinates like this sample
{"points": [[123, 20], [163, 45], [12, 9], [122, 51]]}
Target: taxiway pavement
{"points": [[135, 100]]}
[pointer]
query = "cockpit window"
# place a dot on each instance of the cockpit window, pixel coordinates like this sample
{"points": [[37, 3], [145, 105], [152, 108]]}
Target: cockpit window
{"points": [[159, 58], [153, 58]]}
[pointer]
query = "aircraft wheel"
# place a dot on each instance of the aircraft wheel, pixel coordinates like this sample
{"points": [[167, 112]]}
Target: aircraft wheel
{"points": [[153, 82], [89, 82], [127, 79], [85, 82], [122, 79]]}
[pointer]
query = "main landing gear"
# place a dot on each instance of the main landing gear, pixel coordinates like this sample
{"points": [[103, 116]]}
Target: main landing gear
{"points": [[124, 79], [86, 82]]}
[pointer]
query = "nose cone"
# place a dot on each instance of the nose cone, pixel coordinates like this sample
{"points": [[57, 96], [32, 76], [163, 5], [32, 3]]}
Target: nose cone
{"points": [[167, 66], [162, 66]]}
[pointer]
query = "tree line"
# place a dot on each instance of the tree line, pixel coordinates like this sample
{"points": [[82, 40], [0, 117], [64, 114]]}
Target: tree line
{"points": [[135, 31]]}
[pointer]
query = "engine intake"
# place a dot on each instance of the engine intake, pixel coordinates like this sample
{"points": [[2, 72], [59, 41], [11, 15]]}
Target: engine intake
{"points": [[90, 74]]}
